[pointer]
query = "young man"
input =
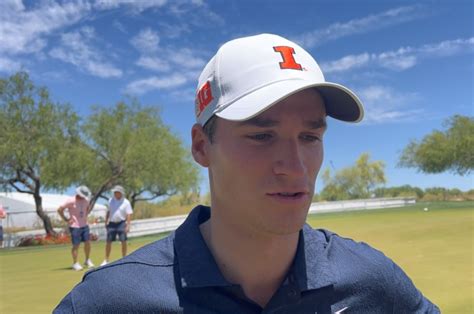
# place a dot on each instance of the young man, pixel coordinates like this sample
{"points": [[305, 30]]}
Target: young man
{"points": [[117, 221], [78, 210], [261, 110]]}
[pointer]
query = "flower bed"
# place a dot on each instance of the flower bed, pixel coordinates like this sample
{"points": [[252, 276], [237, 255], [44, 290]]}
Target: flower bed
{"points": [[59, 238]]}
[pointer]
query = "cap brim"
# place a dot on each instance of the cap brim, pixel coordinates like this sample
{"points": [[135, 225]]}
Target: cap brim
{"points": [[341, 103], [82, 195]]}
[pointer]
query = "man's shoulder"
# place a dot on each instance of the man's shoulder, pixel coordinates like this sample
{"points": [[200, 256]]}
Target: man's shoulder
{"points": [[355, 268], [343, 245], [348, 252], [70, 201], [144, 277], [157, 258], [122, 202], [159, 253], [127, 202], [365, 273]]}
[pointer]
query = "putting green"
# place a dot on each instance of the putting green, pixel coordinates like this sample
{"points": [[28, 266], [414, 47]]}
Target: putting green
{"points": [[434, 247]]}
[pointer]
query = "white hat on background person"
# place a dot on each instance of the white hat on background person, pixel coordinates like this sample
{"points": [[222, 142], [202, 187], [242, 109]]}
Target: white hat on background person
{"points": [[118, 188], [83, 191]]}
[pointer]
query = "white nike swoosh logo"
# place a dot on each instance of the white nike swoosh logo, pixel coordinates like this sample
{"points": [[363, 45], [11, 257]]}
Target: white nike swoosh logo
{"points": [[341, 310]]}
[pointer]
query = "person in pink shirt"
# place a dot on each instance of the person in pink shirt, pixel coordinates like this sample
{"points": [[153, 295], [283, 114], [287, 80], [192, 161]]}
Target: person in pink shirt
{"points": [[78, 209], [3, 215]]}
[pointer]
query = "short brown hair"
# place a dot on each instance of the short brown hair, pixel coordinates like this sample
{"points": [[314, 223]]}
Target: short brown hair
{"points": [[210, 128]]}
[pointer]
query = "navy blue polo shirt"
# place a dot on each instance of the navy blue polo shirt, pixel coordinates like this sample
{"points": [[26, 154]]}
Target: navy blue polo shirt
{"points": [[178, 274]]}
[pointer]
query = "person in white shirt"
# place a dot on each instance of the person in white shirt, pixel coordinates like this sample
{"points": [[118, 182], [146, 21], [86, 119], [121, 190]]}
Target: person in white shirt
{"points": [[117, 221]]}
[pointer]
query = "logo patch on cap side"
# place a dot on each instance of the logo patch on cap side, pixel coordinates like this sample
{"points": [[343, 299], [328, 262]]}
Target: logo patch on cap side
{"points": [[289, 61], [203, 98]]}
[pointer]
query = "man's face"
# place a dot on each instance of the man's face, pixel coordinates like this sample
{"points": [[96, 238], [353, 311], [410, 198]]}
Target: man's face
{"points": [[117, 195], [262, 171]]}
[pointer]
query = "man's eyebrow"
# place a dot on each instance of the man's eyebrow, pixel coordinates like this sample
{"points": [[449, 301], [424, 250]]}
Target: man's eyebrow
{"points": [[317, 124], [259, 122], [265, 123]]}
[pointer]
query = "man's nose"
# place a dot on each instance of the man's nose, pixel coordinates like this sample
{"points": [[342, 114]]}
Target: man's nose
{"points": [[288, 159]]}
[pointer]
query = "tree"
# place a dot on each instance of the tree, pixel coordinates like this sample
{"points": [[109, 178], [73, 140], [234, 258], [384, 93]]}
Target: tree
{"points": [[440, 151], [399, 191], [358, 181], [36, 141], [129, 145]]}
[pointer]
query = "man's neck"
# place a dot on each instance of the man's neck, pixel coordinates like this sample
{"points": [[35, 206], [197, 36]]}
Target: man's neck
{"points": [[257, 262]]}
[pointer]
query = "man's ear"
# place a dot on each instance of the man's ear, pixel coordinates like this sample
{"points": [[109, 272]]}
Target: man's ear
{"points": [[200, 145]]}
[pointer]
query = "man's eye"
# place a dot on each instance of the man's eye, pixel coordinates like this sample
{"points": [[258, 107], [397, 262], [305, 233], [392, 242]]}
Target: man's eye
{"points": [[311, 138], [261, 137]]}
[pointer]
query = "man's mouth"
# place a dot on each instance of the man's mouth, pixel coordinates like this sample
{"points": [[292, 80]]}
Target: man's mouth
{"points": [[288, 194]]}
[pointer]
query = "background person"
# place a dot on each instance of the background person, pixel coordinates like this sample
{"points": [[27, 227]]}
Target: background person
{"points": [[78, 210], [117, 221], [3, 215]]}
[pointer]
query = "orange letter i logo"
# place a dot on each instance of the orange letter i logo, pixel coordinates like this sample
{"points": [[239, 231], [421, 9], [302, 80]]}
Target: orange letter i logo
{"points": [[289, 61]]}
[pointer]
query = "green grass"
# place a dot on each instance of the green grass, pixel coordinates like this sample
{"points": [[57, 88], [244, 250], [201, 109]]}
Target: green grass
{"points": [[435, 248]]}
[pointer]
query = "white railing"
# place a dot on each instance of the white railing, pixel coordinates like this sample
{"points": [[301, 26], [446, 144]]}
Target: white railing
{"points": [[374, 203], [141, 227], [138, 228]]}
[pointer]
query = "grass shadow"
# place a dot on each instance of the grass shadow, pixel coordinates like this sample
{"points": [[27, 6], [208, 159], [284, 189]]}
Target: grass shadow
{"points": [[67, 268]]}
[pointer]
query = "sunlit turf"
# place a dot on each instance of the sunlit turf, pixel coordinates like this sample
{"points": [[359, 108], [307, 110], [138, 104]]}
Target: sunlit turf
{"points": [[434, 247]]}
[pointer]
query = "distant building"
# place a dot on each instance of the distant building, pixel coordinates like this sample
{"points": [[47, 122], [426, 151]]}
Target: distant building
{"points": [[21, 209]]}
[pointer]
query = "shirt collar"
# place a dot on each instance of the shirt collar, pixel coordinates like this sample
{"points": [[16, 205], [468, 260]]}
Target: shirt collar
{"points": [[311, 268], [196, 263]]}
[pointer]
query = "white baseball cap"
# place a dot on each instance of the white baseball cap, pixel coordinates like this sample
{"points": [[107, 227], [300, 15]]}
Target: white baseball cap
{"points": [[118, 188], [248, 75]]}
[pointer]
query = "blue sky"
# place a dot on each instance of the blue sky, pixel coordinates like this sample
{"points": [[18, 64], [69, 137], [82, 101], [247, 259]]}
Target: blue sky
{"points": [[410, 62]]}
